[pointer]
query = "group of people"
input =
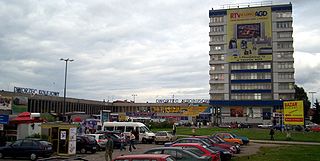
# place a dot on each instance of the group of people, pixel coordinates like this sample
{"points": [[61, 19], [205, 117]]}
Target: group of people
{"points": [[123, 139]]}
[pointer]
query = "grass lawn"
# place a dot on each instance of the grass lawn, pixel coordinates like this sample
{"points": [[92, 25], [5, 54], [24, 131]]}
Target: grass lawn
{"points": [[284, 153], [251, 133]]}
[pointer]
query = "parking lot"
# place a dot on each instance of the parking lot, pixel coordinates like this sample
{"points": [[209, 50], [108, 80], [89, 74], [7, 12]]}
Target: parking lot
{"points": [[250, 149]]}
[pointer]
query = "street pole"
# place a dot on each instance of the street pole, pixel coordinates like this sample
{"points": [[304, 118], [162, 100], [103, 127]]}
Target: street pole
{"points": [[134, 97], [312, 98], [65, 86]]}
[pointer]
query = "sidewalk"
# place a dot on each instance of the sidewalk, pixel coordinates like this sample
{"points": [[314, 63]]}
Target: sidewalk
{"points": [[284, 142]]}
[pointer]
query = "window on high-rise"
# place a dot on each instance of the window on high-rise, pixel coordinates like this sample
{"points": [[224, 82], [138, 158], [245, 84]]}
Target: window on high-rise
{"points": [[283, 14], [286, 34], [284, 45], [217, 38], [217, 19], [218, 96], [251, 86], [217, 86], [286, 96], [285, 65], [250, 76], [287, 24], [217, 47], [284, 55], [217, 28], [286, 86], [286, 75], [217, 67], [218, 76], [217, 57], [244, 66]]}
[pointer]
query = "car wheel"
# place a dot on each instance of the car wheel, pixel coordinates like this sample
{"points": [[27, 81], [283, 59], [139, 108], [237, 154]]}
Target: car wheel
{"points": [[1, 155], [83, 151], [93, 151], [144, 141], [33, 156]]}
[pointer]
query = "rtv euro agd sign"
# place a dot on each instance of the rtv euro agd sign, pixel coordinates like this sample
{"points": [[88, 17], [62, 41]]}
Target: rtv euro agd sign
{"points": [[293, 113]]}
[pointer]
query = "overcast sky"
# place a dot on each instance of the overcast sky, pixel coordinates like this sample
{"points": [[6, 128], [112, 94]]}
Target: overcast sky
{"points": [[152, 48]]}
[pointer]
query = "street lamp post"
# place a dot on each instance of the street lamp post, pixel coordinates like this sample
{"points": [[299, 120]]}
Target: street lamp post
{"points": [[65, 85], [134, 97], [312, 98]]}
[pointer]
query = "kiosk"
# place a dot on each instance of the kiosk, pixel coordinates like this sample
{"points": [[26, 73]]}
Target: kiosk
{"points": [[63, 137]]}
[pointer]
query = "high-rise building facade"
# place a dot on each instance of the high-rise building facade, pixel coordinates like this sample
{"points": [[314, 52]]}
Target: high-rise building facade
{"points": [[251, 62]]}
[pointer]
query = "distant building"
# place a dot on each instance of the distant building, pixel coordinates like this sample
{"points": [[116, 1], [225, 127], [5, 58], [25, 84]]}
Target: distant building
{"points": [[251, 62]]}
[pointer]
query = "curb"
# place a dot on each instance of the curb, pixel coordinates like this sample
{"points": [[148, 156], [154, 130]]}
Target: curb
{"points": [[284, 142]]}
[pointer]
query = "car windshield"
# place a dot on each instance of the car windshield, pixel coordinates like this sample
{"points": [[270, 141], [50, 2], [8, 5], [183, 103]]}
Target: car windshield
{"points": [[144, 128], [161, 134], [195, 151]]}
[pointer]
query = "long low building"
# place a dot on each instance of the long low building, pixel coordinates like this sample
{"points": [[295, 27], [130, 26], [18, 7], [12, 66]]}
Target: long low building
{"points": [[13, 103]]}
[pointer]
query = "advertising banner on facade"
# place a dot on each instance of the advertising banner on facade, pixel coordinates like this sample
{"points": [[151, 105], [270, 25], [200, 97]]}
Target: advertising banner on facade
{"points": [[293, 113], [20, 104], [5, 103], [249, 34]]}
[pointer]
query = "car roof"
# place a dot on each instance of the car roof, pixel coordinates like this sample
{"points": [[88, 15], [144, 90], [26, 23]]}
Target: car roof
{"points": [[139, 156], [187, 144]]}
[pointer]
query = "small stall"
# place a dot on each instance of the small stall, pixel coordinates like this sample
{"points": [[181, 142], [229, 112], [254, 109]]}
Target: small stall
{"points": [[63, 137]]}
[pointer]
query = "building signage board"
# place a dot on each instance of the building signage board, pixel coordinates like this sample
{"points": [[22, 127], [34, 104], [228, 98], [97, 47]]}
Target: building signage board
{"points": [[195, 101], [249, 34], [293, 113], [35, 91], [19, 105], [4, 119], [5, 103]]}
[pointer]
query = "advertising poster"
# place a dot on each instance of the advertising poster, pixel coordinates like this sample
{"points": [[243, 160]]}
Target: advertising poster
{"points": [[5, 103], [20, 104], [236, 112], [72, 141], [249, 35], [293, 113]]}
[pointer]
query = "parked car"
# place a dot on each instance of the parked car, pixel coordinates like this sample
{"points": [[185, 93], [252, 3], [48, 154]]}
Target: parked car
{"points": [[179, 153], [219, 140], [225, 155], [265, 126], [204, 151], [164, 136], [229, 138], [244, 139], [315, 128], [85, 144], [101, 140], [114, 135], [145, 157], [27, 148], [228, 147]]}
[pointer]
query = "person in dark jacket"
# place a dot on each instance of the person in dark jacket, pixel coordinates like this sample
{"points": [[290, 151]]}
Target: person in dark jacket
{"points": [[109, 149], [271, 134]]}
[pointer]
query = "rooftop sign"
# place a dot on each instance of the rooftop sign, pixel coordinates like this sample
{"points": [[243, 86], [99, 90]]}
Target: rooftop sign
{"points": [[35, 91], [182, 101]]}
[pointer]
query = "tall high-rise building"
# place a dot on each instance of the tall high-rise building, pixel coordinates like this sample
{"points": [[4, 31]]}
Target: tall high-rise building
{"points": [[251, 62]]}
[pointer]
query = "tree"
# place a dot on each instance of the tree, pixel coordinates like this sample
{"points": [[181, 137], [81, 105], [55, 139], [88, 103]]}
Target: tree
{"points": [[300, 94], [316, 115]]}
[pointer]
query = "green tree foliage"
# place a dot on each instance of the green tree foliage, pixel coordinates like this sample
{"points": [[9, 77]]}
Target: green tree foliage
{"points": [[300, 94], [316, 115]]}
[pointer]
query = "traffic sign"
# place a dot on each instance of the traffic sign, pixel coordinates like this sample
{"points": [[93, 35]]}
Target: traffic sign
{"points": [[4, 119]]}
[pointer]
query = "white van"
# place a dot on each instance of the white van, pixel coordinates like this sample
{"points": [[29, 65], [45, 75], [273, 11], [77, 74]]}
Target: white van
{"points": [[145, 135]]}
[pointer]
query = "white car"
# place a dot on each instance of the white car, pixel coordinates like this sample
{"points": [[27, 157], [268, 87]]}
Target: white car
{"points": [[264, 126], [164, 136], [101, 140]]}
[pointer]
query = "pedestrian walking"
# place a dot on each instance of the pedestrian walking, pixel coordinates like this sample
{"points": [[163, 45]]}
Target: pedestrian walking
{"points": [[174, 129], [271, 134], [132, 140], [109, 149], [122, 141]]}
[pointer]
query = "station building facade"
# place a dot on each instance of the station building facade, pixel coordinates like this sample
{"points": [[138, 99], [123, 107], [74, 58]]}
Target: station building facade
{"points": [[251, 62], [13, 103]]}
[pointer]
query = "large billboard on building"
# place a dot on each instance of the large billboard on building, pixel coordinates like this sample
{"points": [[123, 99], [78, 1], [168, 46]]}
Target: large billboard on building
{"points": [[5, 103], [20, 104], [293, 113], [249, 34]]}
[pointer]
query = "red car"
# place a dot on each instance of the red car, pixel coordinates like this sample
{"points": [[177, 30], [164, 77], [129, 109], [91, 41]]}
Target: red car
{"points": [[201, 150], [144, 157], [315, 128], [228, 147]]}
